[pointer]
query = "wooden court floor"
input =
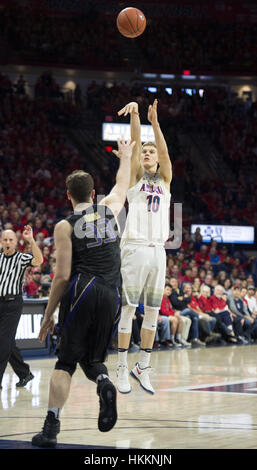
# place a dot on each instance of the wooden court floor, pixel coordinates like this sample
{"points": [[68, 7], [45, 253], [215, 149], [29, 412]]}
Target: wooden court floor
{"points": [[205, 399]]}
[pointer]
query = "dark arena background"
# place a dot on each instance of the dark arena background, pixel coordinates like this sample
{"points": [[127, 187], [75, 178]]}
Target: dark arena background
{"points": [[65, 71]]}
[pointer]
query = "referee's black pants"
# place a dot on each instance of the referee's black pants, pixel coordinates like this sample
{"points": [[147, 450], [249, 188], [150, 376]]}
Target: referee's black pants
{"points": [[10, 313]]}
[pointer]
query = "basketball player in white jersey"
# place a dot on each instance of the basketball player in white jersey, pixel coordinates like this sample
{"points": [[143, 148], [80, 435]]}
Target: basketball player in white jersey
{"points": [[143, 257]]}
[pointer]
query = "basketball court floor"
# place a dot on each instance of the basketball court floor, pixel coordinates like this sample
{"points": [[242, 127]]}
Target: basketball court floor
{"points": [[205, 399]]}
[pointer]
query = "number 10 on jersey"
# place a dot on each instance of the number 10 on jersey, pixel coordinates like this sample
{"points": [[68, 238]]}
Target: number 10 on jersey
{"points": [[153, 203]]}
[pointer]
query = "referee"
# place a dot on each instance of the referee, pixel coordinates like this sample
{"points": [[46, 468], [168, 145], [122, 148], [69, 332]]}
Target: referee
{"points": [[13, 265]]}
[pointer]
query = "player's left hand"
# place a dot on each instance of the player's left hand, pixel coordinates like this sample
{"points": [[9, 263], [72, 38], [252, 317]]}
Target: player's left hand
{"points": [[152, 112], [28, 233], [46, 325], [125, 149]]}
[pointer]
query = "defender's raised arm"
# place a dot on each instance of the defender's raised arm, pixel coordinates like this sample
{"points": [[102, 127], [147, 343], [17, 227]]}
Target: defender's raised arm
{"points": [[135, 134]]}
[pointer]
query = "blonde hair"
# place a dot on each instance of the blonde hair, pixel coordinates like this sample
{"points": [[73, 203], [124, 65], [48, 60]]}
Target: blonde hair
{"points": [[204, 286], [150, 144]]}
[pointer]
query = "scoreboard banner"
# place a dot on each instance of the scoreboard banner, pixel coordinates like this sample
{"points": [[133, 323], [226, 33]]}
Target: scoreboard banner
{"points": [[225, 233], [112, 131]]}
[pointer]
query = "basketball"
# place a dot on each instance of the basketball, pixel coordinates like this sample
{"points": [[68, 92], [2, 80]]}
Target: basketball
{"points": [[131, 22]]}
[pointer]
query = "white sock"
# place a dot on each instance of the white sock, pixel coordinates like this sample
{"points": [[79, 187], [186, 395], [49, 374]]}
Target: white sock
{"points": [[144, 358], [122, 357], [56, 412], [101, 377]]}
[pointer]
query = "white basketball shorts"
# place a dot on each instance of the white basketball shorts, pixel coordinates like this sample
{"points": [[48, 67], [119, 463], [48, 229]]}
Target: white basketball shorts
{"points": [[143, 270]]}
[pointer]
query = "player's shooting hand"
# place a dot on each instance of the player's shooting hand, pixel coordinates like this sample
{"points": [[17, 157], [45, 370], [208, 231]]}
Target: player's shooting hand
{"points": [[46, 325], [129, 109], [152, 113], [125, 149]]}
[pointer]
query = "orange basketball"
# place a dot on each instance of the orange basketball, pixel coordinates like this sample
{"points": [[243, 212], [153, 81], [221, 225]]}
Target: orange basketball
{"points": [[131, 22]]}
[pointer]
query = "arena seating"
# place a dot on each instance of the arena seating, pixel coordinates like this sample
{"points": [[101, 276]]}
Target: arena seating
{"points": [[37, 139], [31, 36]]}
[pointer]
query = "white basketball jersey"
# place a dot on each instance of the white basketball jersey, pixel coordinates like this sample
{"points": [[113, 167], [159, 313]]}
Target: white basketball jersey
{"points": [[148, 219]]}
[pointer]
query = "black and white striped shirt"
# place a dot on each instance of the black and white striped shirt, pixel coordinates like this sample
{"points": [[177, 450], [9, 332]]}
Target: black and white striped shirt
{"points": [[12, 271]]}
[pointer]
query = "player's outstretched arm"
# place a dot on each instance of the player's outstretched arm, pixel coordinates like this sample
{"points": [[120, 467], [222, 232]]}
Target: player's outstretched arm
{"points": [[162, 149], [135, 135], [117, 197]]}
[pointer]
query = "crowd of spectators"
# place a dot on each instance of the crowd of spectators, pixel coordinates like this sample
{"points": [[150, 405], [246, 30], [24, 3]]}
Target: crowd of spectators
{"points": [[214, 290], [91, 39], [28, 128], [227, 121], [36, 154]]}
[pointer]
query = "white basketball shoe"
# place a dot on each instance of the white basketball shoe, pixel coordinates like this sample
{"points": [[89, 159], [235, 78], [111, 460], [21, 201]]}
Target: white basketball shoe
{"points": [[142, 375], [123, 384]]}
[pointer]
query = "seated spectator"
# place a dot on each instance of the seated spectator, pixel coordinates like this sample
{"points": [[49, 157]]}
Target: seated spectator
{"points": [[32, 287], [39, 228], [179, 301], [207, 323], [218, 307], [173, 282], [202, 255], [234, 276], [202, 275], [196, 287], [221, 277], [251, 300], [44, 289], [209, 280], [250, 280], [243, 294], [177, 273], [162, 332], [227, 285], [170, 265], [240, 313], [188, 275], [175, 320], [228, 264]]}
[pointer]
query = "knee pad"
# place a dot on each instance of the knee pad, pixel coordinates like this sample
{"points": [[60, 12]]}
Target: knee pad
{"points": [[150, 318], [125, 323]]}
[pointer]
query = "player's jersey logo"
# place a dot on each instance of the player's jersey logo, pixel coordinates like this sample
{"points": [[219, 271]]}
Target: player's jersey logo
{"points": [[150, 188]]}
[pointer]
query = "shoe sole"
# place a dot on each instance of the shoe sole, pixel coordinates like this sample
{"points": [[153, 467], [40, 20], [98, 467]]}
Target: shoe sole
{"points": [[136, 378], [124, 393], [108, 396], [37, 441]]}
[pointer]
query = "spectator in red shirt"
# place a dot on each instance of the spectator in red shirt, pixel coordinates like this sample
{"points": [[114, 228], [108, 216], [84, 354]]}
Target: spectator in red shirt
{"points": [[188, 275], [33, 286], [202, 255], [176, 322], [220, 309], [207, 323], [38, 228], [52, 270]]}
